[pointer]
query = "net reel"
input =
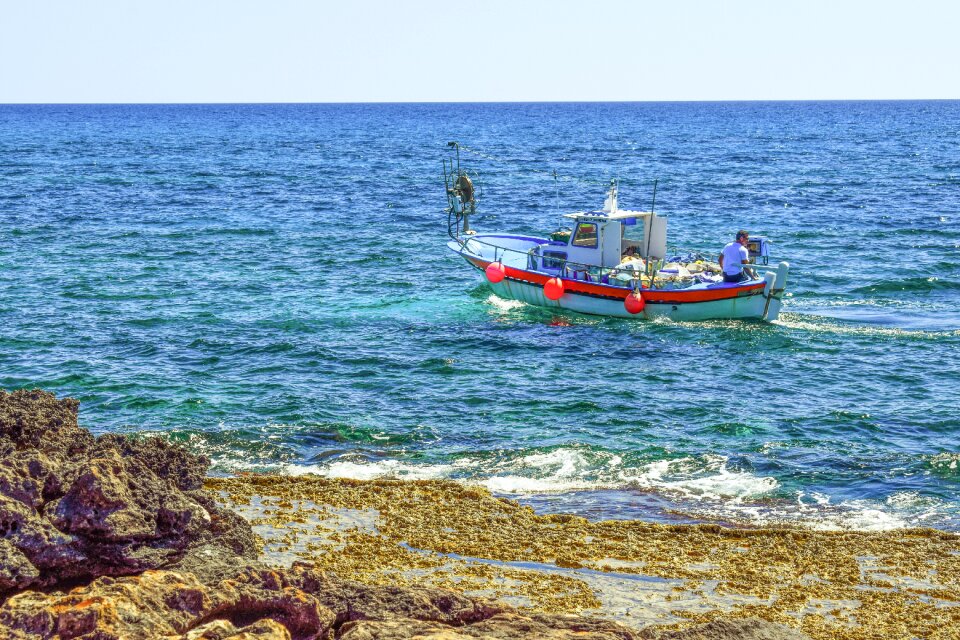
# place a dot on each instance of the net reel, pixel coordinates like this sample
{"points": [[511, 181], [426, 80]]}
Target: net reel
{"points": [[461, 195]]}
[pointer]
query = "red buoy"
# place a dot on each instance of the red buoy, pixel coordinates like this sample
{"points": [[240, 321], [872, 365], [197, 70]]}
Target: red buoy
{"points": [[634, 302], [496, 272], [553, 288]]}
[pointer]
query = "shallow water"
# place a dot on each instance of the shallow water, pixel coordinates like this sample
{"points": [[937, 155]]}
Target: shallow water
{"points": [[270, 285]]}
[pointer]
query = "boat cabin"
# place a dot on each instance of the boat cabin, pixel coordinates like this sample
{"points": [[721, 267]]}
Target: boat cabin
{"points": [[604, 238]]}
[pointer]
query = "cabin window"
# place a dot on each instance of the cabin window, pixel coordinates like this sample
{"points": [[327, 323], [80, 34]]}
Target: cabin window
{"points": [[586, 235], [554, 259]]}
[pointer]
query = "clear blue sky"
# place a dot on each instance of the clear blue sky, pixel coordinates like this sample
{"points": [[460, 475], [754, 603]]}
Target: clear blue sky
{"points": [[371, 50]]}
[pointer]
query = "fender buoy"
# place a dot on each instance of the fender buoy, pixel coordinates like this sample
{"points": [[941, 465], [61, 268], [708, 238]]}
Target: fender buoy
{"points": [[496, 272], [553, 288], [634, 302]]}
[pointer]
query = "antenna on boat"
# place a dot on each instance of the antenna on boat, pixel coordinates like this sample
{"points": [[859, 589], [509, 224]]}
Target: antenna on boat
{"points": [[556, 184], [653, 204], [610, 204]]}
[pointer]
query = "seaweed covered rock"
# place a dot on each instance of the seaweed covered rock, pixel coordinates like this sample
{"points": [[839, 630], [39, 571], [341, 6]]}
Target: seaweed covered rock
{"points": [[113, 538], [743, 629], [269, 605], [76, 507], [300, 604]]}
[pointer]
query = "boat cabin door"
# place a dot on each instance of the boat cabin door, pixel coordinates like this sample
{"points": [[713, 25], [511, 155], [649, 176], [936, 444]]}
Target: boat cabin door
{"points": [[646, 233]]}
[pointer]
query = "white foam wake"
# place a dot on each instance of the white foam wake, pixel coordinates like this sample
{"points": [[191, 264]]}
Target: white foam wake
{"points": [[373, 470], [566, 469], [703, 487]]}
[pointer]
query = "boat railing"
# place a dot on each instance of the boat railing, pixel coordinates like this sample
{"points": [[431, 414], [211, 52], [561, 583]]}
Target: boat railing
{"points": [[626, 277], [569, 269]]}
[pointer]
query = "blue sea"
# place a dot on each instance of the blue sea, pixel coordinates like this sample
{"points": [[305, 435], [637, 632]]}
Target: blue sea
{"points": [[270, 285]]}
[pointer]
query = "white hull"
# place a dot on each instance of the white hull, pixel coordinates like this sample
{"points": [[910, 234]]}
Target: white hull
{"points": [[758, 299], [753, 306]]}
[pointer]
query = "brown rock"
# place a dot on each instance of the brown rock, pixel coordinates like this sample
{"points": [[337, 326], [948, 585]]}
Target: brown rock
{"points": [[166, 460], [84, 512], [504, 625], [36, 420], [222, 630], [353, 601], [227, 528], [74, 507], [270, 605], [117, 499], [159, 604], [745, 629], [16, 568]]}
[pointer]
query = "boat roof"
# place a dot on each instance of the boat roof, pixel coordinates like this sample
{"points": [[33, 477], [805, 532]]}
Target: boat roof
{"points": [[619, 214]]}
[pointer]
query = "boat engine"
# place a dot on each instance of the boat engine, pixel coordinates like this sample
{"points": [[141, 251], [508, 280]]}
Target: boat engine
{"points": [[759, 248]]}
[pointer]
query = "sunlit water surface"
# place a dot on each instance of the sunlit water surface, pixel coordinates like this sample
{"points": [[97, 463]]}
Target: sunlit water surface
{"points": [[269, 284]]}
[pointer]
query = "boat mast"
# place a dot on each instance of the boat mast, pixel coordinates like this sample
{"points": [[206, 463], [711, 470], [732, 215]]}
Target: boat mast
{"points": [[460, 194], [649, 233]]}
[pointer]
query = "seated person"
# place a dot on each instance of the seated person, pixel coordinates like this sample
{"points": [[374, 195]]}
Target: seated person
{"points": [[733, 258]]}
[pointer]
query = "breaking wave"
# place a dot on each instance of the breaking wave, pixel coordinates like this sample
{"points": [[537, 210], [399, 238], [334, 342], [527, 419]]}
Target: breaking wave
{"points": [[704, 488]]}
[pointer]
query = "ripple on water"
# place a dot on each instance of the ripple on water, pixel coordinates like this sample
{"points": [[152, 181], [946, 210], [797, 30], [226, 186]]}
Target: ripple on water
{"points": [[242, 278]]}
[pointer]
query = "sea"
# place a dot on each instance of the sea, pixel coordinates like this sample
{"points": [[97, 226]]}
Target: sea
{"points": [[270, 286]]}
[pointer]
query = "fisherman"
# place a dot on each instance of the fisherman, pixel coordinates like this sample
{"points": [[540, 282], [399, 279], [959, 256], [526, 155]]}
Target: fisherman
{"points": [[733, 257]]}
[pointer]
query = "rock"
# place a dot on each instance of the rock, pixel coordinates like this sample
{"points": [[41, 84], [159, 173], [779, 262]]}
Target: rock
{"points": [[167, 461], [36, 420], [353, 601], [229, 529], [272, 605], [265, 629], [16, 568], [74, 507], [118, 499], [503, 625], [365, 611], [27, 476], [127, 545], [745, 629], [159, 604], [213, 563]]}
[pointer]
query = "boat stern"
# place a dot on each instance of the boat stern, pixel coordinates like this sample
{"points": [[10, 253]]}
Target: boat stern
{"points": [[775, 285]]}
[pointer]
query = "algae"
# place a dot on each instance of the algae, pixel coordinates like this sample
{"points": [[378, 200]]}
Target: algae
{"points": [[903, 583]]}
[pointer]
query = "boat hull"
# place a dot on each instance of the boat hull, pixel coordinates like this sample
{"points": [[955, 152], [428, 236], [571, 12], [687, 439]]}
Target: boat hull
{"points": [[751, 306], [758, 299]]}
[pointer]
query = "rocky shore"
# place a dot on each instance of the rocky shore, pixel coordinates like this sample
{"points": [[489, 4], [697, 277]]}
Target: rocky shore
{"points": [[114, 537]]}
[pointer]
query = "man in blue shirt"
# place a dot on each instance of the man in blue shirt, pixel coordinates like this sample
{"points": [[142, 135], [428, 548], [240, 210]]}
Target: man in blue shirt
{"points": [[733, 257]]}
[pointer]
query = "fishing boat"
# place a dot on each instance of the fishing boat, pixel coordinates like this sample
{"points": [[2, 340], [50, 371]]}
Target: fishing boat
{"points": [[610, 262]]}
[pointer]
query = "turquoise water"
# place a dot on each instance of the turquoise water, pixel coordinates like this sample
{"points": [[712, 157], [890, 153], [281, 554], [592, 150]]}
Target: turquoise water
{"points": [[269, 284]]}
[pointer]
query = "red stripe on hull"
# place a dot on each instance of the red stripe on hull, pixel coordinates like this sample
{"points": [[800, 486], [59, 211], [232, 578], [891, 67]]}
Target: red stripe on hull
{"points": [[664, 296]]}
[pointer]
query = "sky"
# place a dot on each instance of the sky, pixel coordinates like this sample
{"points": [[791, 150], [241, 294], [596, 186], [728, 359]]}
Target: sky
{"points": [[174, 51]]}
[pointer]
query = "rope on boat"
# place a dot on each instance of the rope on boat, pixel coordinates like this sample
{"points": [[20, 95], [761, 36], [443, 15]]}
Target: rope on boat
{"points": [[579, 182], [547, 172]]}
